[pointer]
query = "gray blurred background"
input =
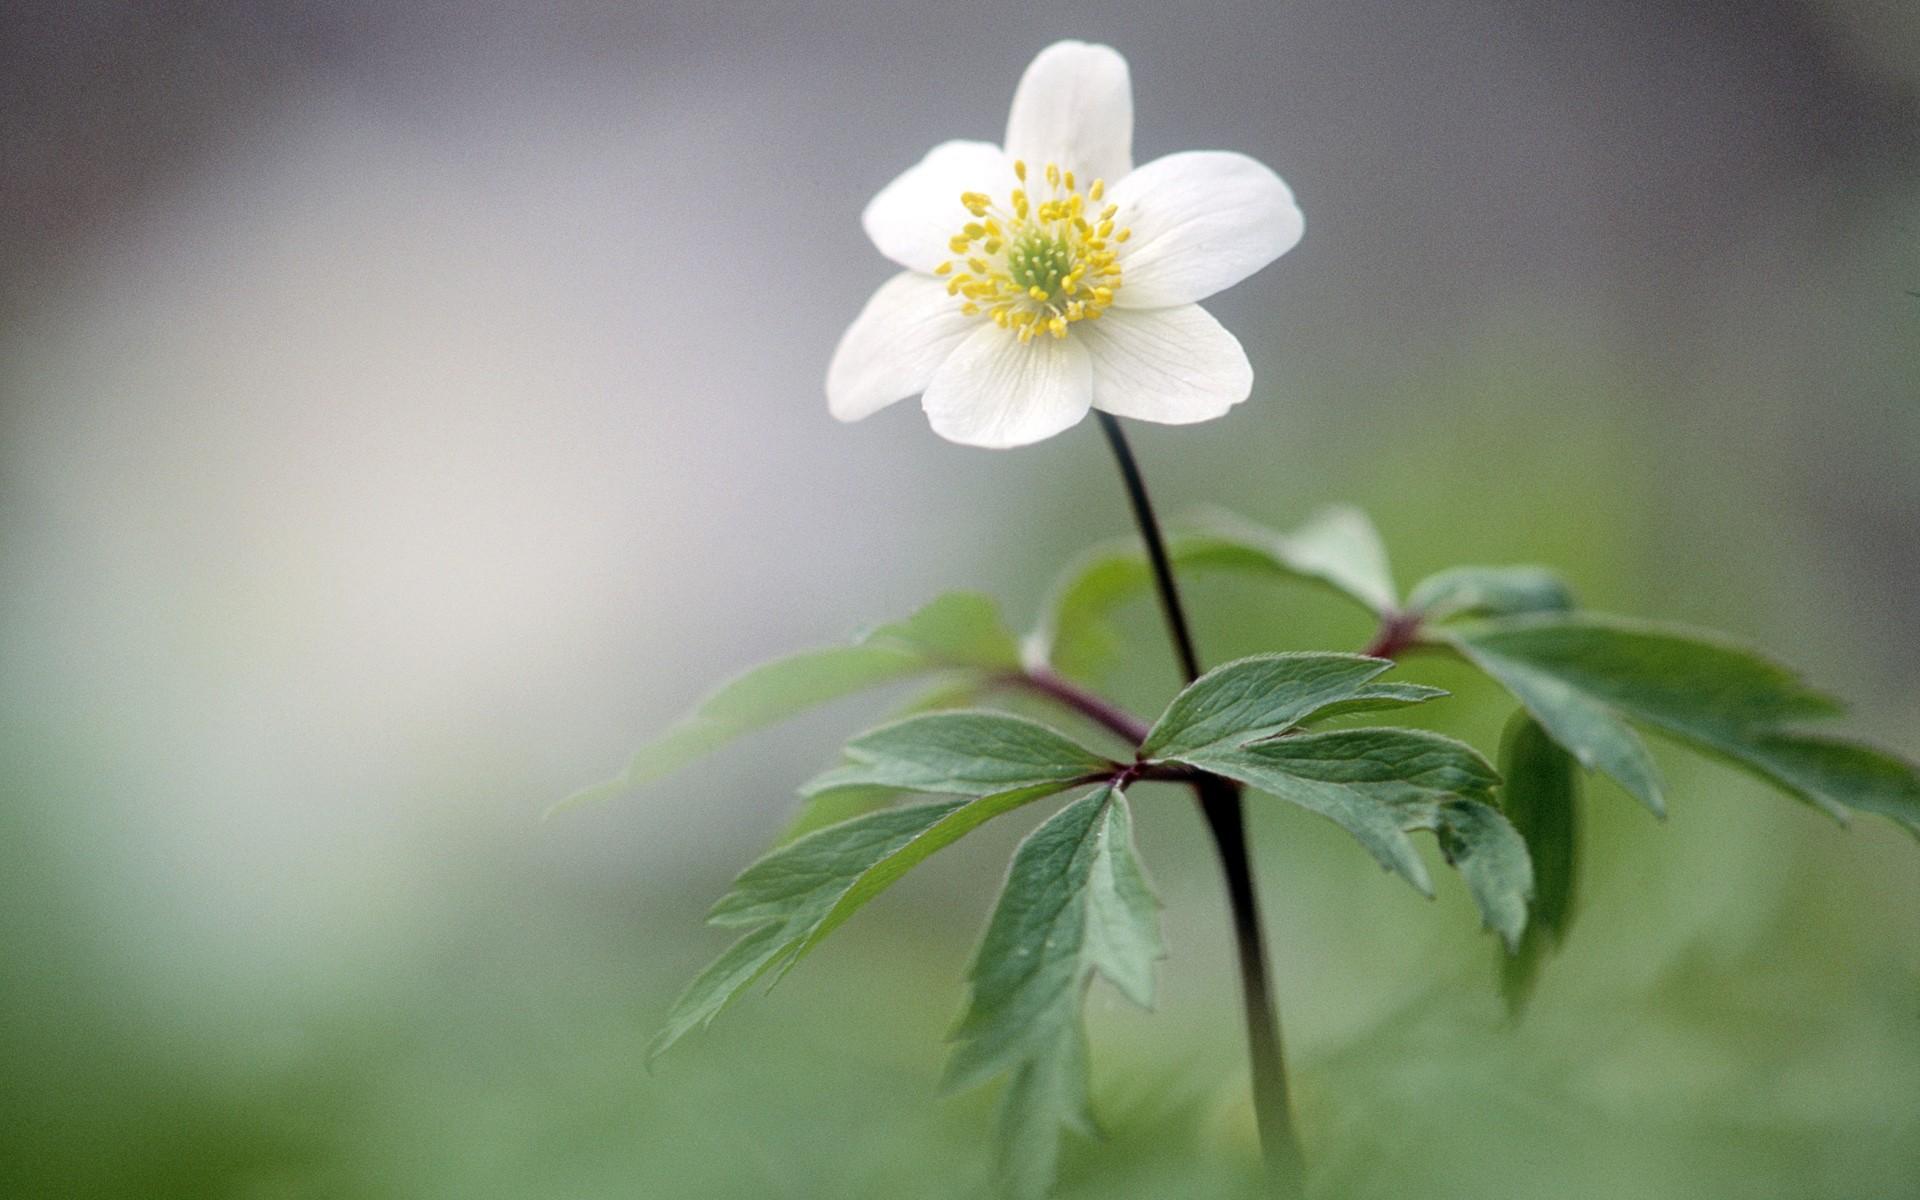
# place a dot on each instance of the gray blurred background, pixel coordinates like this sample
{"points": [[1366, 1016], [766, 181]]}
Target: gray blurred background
{"points": [[404, 410]]}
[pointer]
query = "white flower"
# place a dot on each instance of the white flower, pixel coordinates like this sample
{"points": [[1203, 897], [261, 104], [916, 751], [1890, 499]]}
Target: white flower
{"points": [[1048, 276]]}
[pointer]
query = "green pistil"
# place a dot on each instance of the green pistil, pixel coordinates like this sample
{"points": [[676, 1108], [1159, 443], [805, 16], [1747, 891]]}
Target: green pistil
{"points": [[1036, 260]]}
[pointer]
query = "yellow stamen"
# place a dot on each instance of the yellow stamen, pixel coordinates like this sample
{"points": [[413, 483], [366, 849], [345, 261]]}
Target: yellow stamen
{"points": [[1036, 264]]}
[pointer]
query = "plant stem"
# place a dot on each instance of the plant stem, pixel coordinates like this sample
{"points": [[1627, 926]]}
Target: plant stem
{"points": [[1220, 806], [1156, 545], [1398, 632], [1095, 708]]}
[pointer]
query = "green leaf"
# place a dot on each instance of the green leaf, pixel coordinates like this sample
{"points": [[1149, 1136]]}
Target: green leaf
{"points": [[1682, 680], [1045, 1092], [1377, 697], [1492, 858], [1540, 796], [1588, 728], [1337, 546], [969, 753], [1714, 694], [1829, 772], [1077, 636], [784, 896], [792, 898], [802, 881], [832, 805], [938, 836], [1255, 697], [762, 696], [958, 631], [955, 691], [719, 985], [1489, 592], [1379, 784], [1076, 902]]}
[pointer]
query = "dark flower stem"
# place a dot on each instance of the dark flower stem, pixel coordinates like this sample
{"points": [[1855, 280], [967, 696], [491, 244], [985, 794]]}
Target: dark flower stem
{"points": [[1095, 708], [1220, 806]]}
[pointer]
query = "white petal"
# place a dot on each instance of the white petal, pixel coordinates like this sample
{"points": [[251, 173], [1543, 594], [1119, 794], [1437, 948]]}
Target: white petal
{"points": [[893, 347], [1202, 221], [995, 392], [913, 217], [1171, 365], [1074, 106]]}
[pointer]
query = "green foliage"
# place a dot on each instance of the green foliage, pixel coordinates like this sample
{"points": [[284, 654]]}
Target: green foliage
{"points": [[1692, 683], [805, 890], [1584, 676], [1540, 794], [1076, 902], [782, 899], [1491, 858], [1377, 697], [1254, 697], [1377, 784], [968, 753], [794, 897], [1488, 592], [1336, 546], [1591, 730], [1381, 784], [824, 805], [961, 631], [1076, 634], [949, 829], [1831, 772]]}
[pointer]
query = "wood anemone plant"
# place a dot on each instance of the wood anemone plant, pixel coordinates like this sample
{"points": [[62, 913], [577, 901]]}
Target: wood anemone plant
{"points": [[1015, 318]]}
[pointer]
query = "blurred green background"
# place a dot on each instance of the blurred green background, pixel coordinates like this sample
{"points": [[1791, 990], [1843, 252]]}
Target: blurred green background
{"points": [[405, 410]]}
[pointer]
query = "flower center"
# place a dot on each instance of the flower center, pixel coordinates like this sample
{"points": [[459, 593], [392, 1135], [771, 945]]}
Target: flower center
{"points": [[1039, 263], [1037, 260]]}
